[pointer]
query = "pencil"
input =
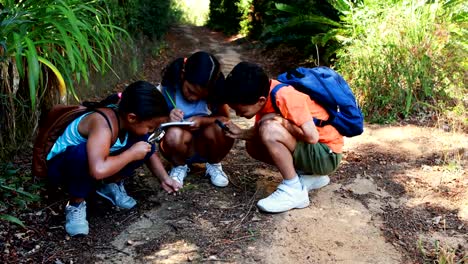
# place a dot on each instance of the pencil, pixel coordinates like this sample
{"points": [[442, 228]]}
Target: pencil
{"points": [[170, 98]]}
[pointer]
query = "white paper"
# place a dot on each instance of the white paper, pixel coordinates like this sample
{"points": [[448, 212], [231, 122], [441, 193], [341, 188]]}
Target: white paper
{"points": [[179, 123]]}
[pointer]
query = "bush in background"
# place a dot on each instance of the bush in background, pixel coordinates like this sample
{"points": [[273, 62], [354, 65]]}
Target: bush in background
{"points": [[224, 16], [407, 57], [151, 18]]}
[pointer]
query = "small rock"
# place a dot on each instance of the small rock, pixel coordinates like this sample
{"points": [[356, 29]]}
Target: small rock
{"points": [[130, 242], [255, 218], [212, 257], [436, 220]]}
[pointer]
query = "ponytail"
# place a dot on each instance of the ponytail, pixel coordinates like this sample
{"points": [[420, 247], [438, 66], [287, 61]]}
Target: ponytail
{"points": [[171, 75], [112, 99]]}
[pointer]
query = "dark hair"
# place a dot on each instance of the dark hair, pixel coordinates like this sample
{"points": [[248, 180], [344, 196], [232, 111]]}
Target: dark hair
{"points": [[201, 68], [144, 100], [141, 98], [245, 84]]}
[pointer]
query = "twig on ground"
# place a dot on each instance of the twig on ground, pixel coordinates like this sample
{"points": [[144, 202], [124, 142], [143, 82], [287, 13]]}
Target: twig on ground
{"points": [[52, 204], [251, 202], [113, 248]]}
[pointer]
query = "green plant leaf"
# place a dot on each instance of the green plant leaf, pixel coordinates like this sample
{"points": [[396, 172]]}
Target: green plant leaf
{"points": [[58, 75], [12, 219], [24, 193], [33, 71]]}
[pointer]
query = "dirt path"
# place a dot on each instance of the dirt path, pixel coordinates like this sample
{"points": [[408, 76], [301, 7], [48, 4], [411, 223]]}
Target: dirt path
{"points": [[366, 215], [398, 187]]}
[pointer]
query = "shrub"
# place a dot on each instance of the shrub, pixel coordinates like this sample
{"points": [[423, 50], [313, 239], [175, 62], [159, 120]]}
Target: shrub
{"points": [[406, 57]]}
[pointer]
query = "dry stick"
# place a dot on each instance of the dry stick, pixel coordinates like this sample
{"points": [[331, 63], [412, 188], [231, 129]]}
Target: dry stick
{"points": [[251, 202], [113, 248], [55, 254], [52, 204], [126, 218]]}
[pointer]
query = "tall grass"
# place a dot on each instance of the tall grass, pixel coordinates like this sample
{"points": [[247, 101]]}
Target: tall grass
{"points": [[46, 47], [407, 57]]}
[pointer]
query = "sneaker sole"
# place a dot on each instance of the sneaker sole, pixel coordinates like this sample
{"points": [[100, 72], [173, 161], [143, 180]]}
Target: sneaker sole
{"points": [[300, 206]]}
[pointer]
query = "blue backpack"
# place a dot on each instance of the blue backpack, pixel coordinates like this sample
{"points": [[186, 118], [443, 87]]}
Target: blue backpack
{"points": [[330, 90]]}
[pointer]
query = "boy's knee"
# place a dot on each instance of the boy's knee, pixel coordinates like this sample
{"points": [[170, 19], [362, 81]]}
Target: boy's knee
{"points": [[271, 130]]}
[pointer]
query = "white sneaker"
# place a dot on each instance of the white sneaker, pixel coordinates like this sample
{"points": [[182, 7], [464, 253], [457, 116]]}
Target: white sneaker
{"points": [[284, 199], [314, 182], [75, 219], [217, 175], [179, 173]]}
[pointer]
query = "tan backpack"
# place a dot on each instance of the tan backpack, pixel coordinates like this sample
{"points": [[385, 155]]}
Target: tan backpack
{"points": [[54, 124]]}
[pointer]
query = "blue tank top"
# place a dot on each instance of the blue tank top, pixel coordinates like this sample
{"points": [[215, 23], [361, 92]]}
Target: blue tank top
{"points": [[197, 108], [72, 137]]}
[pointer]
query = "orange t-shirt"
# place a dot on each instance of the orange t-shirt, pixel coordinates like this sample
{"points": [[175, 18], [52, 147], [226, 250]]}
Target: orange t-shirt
{"points": [[298, 108]]}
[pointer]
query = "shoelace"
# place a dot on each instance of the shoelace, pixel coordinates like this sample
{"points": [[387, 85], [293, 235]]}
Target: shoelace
{"points": [[122, 189], [179, 172], [216, 170], [76, 213]]}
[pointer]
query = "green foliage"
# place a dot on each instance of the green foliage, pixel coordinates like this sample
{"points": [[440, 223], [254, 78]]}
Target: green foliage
{"points": [[46, 47], [405, 57], [439, 254], [225, 16], [151, 18], [17, 192], [304, 24], [69, 35], [245, 23]]}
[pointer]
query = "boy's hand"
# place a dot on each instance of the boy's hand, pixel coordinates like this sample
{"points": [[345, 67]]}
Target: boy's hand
{"points": [[234, 130], [170, 185], [176, 115], [140, 149]]}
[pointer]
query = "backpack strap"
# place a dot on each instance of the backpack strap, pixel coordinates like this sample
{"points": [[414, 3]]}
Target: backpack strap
{"points": [[318, 122], [273, 96], [111, 120]]}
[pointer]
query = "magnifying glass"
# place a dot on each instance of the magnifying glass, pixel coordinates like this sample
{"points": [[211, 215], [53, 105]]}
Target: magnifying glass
{"points": [[156, 136]]}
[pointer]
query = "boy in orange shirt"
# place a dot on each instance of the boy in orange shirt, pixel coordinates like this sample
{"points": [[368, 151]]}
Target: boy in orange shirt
{"points": [[289, 140]]}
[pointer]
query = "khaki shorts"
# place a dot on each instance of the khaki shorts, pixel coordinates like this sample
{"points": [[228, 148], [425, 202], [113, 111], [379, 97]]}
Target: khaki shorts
{"points": [[315, 159]]}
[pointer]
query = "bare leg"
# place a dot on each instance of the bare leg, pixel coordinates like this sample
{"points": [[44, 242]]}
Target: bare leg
{"points": [[212, 144], [177, 145], [279, 145]]}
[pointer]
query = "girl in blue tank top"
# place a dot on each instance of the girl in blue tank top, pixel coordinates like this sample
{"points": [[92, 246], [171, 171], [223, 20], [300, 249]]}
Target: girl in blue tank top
{"points": [[87, 157], [189, 85]]}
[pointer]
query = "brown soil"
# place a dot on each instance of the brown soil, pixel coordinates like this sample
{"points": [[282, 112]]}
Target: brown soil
{"points": [[399, 190]]}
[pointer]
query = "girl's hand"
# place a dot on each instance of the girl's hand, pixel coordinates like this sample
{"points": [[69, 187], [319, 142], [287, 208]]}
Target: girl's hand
{"points": [[176, 115], [170, 185], [140, 149], [197, 122]]}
